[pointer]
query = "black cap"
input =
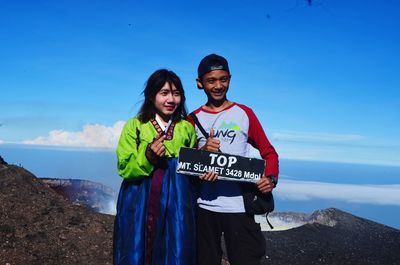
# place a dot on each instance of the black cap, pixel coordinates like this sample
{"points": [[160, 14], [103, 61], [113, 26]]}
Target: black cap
{"points": [[212, 62]]}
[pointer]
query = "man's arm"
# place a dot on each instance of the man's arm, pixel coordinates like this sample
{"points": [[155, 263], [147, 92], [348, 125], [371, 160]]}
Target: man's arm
{"points": [[259, 140]]}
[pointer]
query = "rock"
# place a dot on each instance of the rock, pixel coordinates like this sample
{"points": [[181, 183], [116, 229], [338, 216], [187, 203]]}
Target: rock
{"points": [[2, 161], [38, 226]]}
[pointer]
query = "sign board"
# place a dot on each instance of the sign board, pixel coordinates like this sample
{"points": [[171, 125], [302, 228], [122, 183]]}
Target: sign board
{"points": [[228, 167]]}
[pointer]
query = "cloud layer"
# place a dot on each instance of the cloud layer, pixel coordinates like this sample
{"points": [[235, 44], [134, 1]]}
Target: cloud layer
{"points": [[91, 135], [315, 137], [366, 194], [342, 148]]}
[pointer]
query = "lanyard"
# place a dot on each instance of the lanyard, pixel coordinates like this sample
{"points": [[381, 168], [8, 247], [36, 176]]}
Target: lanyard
{"points": [[163, 127]]}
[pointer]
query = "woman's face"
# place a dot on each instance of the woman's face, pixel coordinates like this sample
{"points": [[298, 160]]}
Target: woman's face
{"points": [[166, 101]]}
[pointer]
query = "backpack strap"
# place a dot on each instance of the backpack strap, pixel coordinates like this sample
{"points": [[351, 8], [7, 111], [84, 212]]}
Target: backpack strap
{"points": [[269, 223], [201, 128], [198, 124]]}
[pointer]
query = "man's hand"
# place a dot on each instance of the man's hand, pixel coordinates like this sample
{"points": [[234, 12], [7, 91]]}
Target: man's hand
{"points": [[157, 146], [211, 144], [209, 176], [265, 184]]}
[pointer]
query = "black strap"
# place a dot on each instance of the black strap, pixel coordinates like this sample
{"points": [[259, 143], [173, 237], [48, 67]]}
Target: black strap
{"points": [[269, 223], [201, 128], [196, 121]]}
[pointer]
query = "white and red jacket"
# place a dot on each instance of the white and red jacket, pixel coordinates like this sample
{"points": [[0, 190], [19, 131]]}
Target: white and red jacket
{"points": [[236, 127]]}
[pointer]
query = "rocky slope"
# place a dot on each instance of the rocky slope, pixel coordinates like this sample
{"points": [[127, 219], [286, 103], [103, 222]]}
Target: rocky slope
{"points": [[332, 237], [38, 226]]}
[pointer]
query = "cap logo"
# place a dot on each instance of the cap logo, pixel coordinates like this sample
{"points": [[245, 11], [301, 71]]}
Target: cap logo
{"points": [[216, 67]]}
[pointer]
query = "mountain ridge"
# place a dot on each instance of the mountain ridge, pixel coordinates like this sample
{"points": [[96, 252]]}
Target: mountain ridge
{"points": [[334, 237]]}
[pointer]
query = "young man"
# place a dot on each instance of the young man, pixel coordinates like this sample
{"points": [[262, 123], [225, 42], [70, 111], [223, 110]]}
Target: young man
{"points": [[231, 127]]}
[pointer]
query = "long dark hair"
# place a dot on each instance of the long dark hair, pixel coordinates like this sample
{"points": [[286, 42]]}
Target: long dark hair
{"points": [[153, 85]]}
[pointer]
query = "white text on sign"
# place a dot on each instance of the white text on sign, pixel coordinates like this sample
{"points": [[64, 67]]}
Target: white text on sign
{"points": [[222, 160]]}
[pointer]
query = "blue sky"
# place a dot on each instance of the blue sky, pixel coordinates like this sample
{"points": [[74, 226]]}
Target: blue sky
{"points": [[322, 78]]}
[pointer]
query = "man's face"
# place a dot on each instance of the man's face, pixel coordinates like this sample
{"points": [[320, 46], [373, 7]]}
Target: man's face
{"points": [[215, 84]]}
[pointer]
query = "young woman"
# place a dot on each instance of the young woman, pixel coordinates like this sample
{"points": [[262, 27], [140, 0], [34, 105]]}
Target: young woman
{"points": [[155, 221]]}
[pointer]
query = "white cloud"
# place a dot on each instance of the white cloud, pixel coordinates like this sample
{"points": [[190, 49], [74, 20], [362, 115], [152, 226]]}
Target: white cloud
{"points": [[351, 193], [1, 141], [91, 135], [315, 137], [341, 148]]}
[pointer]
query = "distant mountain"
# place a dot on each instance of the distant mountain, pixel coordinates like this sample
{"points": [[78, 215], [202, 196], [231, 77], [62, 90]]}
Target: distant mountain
{"points": [[93, 195], [288, 220], [38, 226], [2, 161]]}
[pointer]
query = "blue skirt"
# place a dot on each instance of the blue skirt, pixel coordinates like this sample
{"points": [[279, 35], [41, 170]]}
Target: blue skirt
{"points": [[155, 222]]}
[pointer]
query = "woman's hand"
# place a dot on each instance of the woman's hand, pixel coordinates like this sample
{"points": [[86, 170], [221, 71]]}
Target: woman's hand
{"points": [[157, 146]]}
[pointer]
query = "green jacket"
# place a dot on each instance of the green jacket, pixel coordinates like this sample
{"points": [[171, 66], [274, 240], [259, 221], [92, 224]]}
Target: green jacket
{"points": [[135, 136]]}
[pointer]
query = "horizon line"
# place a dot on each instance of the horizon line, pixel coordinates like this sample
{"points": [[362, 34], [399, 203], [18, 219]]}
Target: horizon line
{"points": [[68, 148]]}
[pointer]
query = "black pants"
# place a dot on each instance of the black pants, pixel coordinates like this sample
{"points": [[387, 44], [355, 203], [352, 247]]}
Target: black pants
{"points": [[244, 241]]}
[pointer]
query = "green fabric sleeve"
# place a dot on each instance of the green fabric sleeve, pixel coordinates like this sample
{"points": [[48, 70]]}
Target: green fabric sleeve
{"points": [[135, 136], [192, 135], [132, 161]]}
